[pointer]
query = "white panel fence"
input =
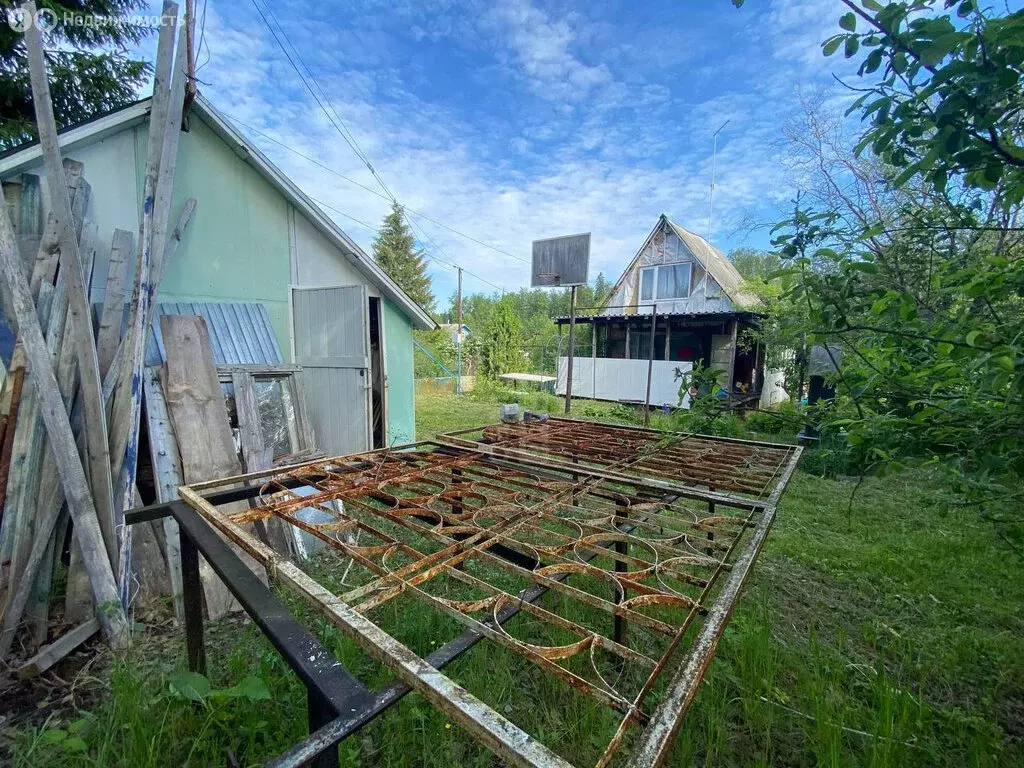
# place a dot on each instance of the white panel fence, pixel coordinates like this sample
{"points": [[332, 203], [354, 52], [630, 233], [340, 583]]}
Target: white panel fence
{"points": [[606, 378]]}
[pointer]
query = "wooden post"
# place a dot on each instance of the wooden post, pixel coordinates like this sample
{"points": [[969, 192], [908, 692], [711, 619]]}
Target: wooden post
{"points": [[650, 365], [110, 378], [732, 360], [17, 379], [163, 452], [113, 299], [78, 300], [572, 350], [62, 441], [256, 456]]}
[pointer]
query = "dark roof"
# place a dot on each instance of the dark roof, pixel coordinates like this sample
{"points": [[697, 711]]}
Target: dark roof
{"points": [[640, 317]]}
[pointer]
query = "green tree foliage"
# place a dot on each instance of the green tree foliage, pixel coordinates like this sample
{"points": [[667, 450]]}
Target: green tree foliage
{"points": [[442, 347], [395, 250], [90, 69], [502, 349], [536, 309], [923, 288], [754, 264]]}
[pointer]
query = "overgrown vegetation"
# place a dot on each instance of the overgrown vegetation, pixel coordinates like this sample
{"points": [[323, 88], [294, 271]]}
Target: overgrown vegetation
{"points": [[537, 342], [905, 251]]}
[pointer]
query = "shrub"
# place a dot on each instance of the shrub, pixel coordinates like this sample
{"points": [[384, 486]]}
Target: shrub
{"points": [[783, 419]]}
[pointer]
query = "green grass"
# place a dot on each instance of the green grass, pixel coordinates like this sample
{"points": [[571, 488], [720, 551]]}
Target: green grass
{"points": [[885, 632], [443, 412]]}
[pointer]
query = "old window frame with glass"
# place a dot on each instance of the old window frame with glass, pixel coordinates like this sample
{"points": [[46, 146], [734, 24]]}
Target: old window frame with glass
{"points": [[289, 400]]}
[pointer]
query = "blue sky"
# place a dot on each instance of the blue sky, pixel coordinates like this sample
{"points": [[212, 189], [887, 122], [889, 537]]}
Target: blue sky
{"points": [[511, 121]]}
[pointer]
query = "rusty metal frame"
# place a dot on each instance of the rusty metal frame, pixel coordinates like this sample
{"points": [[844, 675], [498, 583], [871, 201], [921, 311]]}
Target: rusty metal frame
{"points": [[617, 522]]}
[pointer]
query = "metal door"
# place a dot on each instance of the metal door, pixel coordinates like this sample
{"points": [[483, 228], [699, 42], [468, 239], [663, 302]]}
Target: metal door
{"points": [[721, 354], [331, 341]]}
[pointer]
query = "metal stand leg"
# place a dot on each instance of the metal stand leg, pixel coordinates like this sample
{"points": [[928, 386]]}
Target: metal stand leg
{"points": [[192, 589], [621, 548], [320, 714], [710, 551]]}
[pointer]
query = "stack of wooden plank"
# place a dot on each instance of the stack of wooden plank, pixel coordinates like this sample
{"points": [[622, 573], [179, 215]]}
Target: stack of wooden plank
{"points": [[73, 397]]}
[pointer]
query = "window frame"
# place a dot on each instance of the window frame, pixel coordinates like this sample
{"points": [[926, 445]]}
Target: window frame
{"points": [[654, 283]]}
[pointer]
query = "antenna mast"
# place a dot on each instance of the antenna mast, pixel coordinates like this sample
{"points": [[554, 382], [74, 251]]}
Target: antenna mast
{"points": [[714, 151]]}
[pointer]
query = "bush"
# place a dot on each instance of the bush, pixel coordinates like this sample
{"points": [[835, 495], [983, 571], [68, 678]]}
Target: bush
{"points": [[832, 456], [719, 424], [783, 419]]}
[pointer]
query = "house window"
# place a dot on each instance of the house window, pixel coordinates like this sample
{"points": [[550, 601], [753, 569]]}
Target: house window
{"points": [[669, 281], [647, 284]]}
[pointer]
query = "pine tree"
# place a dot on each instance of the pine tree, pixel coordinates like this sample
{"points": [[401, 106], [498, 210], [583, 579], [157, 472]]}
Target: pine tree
{"points": [[395, 250], [89, 67], [601, 289]]}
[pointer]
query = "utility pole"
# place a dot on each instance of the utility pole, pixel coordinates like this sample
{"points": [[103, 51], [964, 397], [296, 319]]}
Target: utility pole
{"points": [[458, 340], [572, 349], [714, 151]]}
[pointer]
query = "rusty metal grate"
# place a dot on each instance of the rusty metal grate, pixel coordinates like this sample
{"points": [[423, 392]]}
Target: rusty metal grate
{"points": [[620, 567], [737, 466]]}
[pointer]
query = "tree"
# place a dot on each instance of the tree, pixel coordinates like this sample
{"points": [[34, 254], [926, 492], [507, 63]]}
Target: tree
{"points": [[754, 264], [921, 285], [87, 59], [601, 289], [395, 250], [502, 344]]}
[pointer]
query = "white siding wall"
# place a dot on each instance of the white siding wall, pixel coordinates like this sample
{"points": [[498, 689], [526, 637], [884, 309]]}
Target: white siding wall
{"points": [[315, 261]]}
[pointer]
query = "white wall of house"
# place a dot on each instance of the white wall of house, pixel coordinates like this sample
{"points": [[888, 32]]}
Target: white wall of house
{"points": [[606, 378]]}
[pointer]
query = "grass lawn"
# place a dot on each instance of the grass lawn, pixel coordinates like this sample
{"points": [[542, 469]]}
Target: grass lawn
{"points": [[885, 632]]}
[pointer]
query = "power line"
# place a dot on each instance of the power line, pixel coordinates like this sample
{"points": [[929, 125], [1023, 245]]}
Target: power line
{"points": [[330, 207], [372, 191], [452, 263], [336, 121], [342, 129], [376, 230]]}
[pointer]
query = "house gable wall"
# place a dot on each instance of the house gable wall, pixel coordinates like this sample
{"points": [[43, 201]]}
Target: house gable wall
{"points": [[316, 261], [398, 361], [665, 247]]}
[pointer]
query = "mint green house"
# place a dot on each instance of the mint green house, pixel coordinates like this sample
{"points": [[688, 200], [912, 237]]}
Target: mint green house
{"points": [[257, 238]]}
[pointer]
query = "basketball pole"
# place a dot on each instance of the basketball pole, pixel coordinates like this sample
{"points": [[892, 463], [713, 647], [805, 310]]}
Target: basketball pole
{"points": [[572, 349], [458, 338]]}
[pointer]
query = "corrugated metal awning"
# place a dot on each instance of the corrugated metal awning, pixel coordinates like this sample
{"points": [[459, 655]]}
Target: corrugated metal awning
{"points": [[240, 333]]}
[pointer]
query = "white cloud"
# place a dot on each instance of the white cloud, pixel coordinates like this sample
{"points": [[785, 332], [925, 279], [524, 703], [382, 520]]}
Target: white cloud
{"points": [[586, 145], [799, 27], [543, 49]]}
